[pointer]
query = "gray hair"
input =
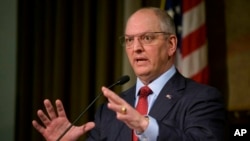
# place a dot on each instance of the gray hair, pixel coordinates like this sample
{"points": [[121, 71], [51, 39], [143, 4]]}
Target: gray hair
{"points": [[166, 21]]}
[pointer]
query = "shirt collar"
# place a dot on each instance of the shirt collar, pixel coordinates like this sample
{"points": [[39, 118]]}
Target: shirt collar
{"points": [[158, 83]]}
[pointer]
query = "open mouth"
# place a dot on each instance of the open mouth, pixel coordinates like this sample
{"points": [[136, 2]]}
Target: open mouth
{"points": [[141, 60]]}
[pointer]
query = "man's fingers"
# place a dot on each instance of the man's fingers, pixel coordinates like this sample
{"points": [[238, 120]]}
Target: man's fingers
{"points": [[112, 97], [118, 108], [116, 103], [88, 126], [43, 117], [50, 109], [38, 127], [60, 109]]}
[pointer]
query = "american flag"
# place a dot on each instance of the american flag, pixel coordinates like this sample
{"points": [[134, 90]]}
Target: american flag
{"points": [[191, 56]]}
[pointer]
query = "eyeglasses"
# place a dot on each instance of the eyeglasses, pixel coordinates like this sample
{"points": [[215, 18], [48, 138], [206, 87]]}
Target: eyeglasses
{"points": [[146, 38]]}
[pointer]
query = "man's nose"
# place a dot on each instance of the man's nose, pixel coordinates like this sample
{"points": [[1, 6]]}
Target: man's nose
{"points": [[137, 45]]}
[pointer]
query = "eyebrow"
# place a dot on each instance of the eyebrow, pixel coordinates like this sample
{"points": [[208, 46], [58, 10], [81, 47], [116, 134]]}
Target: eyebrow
{"points": [[144, 33]]}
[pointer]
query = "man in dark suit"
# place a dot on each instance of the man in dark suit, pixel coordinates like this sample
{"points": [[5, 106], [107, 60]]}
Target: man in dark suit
{"points": [[177, 108]]}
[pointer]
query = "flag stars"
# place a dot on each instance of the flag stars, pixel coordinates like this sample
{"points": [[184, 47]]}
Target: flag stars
{"points": [[171, 12], [179, 29], [178, 9]]}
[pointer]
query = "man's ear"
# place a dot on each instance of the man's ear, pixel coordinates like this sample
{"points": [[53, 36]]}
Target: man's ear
{"points": [[172, 39]]}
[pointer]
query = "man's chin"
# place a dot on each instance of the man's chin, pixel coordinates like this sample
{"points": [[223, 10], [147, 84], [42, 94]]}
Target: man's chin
{"points": [[142, 74]]}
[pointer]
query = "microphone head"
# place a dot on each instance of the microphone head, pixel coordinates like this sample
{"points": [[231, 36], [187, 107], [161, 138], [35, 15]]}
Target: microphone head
{"points": [[124, 79]]}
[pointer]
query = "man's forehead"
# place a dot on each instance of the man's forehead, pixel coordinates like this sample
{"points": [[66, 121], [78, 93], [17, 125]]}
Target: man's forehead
{"points": [[142, 21], [142, 14]]}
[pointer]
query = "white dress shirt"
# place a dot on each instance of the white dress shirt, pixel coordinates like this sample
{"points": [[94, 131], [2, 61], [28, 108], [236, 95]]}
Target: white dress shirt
{"points": [[152, 131]]}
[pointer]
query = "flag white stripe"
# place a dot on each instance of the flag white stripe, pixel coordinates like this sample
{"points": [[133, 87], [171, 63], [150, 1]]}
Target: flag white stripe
{"points": [[193, 19], [195, 61]]}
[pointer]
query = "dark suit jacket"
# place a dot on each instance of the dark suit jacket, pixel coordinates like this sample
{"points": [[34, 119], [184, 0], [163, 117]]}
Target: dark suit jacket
{"points": [[191, 111]]}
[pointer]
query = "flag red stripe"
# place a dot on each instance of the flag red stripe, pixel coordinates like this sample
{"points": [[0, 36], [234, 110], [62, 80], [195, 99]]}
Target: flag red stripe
{"points": [[193, 59], [193, 41], [187, 4], [202, 76]]}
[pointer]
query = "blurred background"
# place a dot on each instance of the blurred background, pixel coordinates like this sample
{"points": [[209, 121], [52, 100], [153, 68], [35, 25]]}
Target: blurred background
{"points": [[68, 49]]}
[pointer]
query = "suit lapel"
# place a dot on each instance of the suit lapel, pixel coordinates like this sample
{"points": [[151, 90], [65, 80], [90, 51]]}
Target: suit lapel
{"points": [[122, 132], [168, 96]]}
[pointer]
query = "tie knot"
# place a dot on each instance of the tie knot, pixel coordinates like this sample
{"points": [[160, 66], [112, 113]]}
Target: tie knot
{"points": [[145, 91]]}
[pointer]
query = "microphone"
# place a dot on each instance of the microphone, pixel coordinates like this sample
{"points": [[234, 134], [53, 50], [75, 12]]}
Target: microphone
{"points": [[124, 79]]}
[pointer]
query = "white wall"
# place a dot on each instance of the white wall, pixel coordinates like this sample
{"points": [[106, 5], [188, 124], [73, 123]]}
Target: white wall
{"points": [[8, 43]]}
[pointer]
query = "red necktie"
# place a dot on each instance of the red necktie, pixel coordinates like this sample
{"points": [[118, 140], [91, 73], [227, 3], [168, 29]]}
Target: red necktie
{"points": [[142, 105]]}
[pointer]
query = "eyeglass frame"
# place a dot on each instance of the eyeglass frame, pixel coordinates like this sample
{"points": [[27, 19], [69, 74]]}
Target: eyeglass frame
{"points": [[140, 37]]}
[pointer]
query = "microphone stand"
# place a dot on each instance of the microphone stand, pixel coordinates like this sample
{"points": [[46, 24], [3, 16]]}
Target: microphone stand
{"points": [[121, 81]]}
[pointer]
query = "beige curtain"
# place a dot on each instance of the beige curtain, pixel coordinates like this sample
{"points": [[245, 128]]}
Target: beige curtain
{"points": [[66, 50]]}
